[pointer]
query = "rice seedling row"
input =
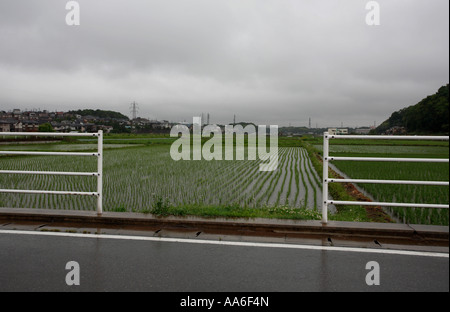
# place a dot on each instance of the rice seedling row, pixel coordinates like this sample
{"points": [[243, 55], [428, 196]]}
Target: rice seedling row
{"points": [[138, 178], [403, 171]]}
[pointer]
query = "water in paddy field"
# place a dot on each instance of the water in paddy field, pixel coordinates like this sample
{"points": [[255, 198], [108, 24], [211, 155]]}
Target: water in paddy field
{"points": [[213, 182], [134, 177]]}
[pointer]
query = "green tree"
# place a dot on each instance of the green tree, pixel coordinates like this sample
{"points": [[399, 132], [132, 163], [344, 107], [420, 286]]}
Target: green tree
{"points": [[46, 127]]}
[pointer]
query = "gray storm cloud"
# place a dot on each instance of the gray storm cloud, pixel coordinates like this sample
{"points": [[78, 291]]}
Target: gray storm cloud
{"points": [[267, 61]]}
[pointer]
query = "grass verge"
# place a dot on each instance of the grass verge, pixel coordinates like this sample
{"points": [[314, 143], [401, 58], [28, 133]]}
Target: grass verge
{"points": [[346, 192], [280, 212]]}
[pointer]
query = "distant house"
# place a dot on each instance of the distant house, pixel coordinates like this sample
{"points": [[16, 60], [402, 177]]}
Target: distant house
{"points": [[338, 131], [141, 121], [89, 118], [4, 115], [106, 129], [17, 120], [30, 116], [57, 126], [396, 131], [43, 114], [5, 126], [363, 131], [10, 125], [165, 124], [16, 125], [16, 113], [89, 127], [30, 126]]}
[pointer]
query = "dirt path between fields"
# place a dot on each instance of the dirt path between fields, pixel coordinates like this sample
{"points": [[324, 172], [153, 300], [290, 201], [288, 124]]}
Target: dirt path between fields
{"points": [[374, 213]]}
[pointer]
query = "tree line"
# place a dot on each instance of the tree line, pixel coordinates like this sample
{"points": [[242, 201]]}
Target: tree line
{"points": [[429, 116]]}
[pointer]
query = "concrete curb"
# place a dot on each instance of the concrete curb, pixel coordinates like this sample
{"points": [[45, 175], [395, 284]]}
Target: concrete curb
{"points": [[386, 232]]}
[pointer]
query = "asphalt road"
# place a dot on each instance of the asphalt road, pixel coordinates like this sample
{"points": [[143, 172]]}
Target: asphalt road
{"points": [[37, 262]]}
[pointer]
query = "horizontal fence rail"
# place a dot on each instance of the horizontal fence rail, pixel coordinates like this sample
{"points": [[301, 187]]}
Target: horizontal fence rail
{"points": [[436, 183], [413, 205], [50, 192], [428, 160], [390, 137], [326, 180], [48, 153], [64, 173], [50, 134], [98, 174]]}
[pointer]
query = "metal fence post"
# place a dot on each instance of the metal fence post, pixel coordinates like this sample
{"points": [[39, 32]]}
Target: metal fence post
{"points": [[326, 142], [100, 174]]}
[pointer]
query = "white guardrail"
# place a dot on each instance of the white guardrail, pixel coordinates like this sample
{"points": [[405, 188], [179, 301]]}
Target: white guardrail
{"points": [[326, 180], [98, 174]]}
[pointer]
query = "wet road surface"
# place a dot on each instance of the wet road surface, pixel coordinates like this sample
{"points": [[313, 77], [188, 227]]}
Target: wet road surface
{"points": [[37, 262]]}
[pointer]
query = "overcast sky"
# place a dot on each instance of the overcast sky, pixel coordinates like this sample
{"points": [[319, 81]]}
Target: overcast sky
{"points": [[274, 62]]}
